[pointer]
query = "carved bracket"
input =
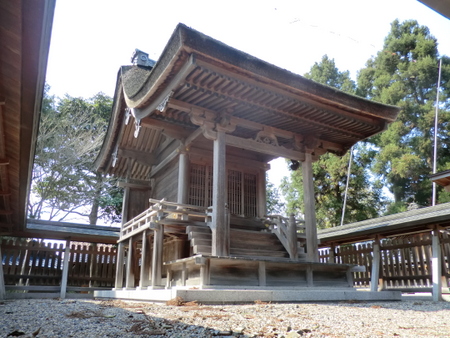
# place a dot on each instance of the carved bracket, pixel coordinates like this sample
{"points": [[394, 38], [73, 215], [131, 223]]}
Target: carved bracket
{"points": [[163, 104]]}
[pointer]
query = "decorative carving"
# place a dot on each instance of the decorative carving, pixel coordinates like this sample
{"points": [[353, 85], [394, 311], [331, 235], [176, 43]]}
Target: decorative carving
{"points": [[266, 137], [163, 104], [137, 126], [127, 115]]}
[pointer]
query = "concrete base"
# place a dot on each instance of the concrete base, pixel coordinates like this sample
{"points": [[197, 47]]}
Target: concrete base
{"points": [[236, 296]]}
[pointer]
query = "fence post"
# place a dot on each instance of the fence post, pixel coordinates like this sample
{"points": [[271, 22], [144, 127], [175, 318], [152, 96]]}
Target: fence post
{"points": [[2, 278], [436, 266], [65, 271], [375, 274]]}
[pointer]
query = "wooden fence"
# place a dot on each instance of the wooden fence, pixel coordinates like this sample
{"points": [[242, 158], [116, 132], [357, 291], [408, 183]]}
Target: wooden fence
{"points": [[405, 261], [35, 266]]}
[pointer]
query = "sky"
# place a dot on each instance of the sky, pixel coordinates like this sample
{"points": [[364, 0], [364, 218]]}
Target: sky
{"points": [[91, 39]]}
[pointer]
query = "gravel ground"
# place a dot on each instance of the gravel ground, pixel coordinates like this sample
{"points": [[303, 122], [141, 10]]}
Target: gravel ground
{"points": [[115, 318]]}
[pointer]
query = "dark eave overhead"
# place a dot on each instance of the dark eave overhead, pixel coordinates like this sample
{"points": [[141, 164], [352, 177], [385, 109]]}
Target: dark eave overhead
{"points": [[440, 6]]}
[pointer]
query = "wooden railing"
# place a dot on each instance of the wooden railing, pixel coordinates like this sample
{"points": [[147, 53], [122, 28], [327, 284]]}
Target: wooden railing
{"points": [[39, 266], [405, 261], [288, 231], [163, 212]]}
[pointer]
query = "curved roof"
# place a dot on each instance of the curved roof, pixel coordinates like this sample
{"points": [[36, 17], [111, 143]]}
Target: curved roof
{"points": [[199, 75]]}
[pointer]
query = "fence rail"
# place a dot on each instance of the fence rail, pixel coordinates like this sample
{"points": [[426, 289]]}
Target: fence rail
{"points": [[405, 261], [35, 266]]}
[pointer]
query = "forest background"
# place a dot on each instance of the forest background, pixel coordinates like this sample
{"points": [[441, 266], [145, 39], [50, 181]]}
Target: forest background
{"points": [[403, 73]]}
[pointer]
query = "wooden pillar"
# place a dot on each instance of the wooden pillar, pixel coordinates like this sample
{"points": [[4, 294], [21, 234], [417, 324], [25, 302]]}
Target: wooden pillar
{"points": [[157, 259], [376, 261], [65, 271], [220, 245], [119, 266], [129, 278], [436, 266], [292, 240], [310, 210], [262, 194], [2, 277], [262, 273], [183, 178], [144, 278]]}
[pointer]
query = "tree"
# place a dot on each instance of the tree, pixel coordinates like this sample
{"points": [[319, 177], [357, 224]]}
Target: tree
{"points": [[64, 183], [330, 171], [405, 74], [275, 205]]}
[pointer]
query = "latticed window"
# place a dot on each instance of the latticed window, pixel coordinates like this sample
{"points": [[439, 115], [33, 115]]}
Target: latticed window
{"points": [[241, 189]]}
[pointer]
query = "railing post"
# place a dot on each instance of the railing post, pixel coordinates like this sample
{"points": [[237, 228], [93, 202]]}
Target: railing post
{"points": [[292, 239], [144, 276], [436, 266], [2, 277], [65, 271], [129, 278]]}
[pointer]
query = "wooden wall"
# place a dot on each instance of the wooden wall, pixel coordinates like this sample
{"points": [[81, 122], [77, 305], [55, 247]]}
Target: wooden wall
{"points": [[166, 183]]}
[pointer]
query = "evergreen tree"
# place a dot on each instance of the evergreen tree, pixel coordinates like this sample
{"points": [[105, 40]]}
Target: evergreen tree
{"points": [[330, 171], [405, 74], [64, 183]]}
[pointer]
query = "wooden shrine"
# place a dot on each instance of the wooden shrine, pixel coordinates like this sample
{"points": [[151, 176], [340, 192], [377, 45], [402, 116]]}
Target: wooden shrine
{"points": [[191, 135]]}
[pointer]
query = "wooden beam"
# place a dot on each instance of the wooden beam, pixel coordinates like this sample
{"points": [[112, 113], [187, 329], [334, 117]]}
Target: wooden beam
{"points": [[219, 227], [65, 270], [166, 161], [132, 185], [142, 157], [188, 108], [310, 210], [269, 149], [4, 161], [169, 129]]}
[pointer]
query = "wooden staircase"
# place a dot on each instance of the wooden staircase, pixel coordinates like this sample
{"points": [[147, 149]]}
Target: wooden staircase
{"points": [[243, 243]]}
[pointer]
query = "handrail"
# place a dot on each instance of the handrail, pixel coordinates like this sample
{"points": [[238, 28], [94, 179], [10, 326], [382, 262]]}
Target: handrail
{"points": [[287, 230]]}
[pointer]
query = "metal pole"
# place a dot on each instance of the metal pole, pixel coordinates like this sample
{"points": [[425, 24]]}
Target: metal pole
{"points": [[346, 185], [436, 130]]}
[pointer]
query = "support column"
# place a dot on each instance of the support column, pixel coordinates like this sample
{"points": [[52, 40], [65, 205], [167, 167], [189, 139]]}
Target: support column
{"points": [[262, 194], [2, 278], [129, 278], [183, 178], [436, 266], [145, 266], [119, 266], [157, 259], [220, 245], [292, 231], [65, 271], [332, 254], [376, 260], [310, 210]]}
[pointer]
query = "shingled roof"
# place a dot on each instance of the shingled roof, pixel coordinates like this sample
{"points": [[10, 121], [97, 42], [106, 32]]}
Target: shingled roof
{"points": [[413, 221], [197, 72]]}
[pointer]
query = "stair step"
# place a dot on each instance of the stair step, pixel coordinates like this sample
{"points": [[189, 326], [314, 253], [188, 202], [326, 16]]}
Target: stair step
{"points": [[207, 241], [206, 249]]}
